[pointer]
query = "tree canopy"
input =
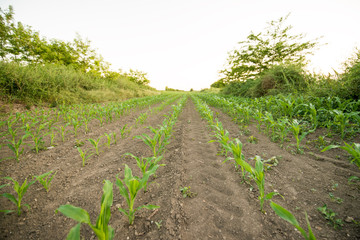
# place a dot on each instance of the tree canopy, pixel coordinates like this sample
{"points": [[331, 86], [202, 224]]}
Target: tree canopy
{"points": [[20, 43], [262, 50]]}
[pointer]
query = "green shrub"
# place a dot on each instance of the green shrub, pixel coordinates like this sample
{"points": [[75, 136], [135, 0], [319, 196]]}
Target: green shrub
{"points": [[52, 83]]}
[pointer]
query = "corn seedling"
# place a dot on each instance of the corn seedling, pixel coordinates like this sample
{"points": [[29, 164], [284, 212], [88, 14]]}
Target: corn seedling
{"points": [[353, 149], [102, 230], [158, 224], [84, 156], [20, 190], [95, 143], [133, 185], [16, 146], [296, 130], [108, 137], [52, 138], [63, 131], [124, 131], [287, 216], [45, 179], [252, 139], [235, 147], [38, 141], [330, 216], [141, 119], [146, 164]]}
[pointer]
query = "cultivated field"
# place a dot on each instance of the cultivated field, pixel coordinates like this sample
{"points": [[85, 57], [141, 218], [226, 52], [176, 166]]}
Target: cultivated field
{"points": [[191, 193]]}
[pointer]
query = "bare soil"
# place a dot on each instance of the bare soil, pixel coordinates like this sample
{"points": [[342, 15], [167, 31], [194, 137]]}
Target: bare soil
{"points": [[221, 207]]}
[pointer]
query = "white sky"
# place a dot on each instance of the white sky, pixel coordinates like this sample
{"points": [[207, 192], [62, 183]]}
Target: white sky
{"points": [[184, 44]]}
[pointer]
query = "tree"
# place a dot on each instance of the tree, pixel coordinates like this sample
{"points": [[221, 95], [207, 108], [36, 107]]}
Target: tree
{"points": [[218, 84], [137, 77], [263, 50]]}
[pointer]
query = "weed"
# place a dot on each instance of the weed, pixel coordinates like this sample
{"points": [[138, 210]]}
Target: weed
{"points": [[185, 191], [330, 216]]}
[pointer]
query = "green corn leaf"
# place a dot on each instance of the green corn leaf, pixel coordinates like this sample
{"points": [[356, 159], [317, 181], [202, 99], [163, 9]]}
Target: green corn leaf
{"points": [[74, 233], [122, 189], [10, 197], [150, 207], [287, 216], [329, 147], [124, 211], [284, 214], [7, 211], [133, 187], [5, 185], [76, 213], [271, 195], [311, 235]]}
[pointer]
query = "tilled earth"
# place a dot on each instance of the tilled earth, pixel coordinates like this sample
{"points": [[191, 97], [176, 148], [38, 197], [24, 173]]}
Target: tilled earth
{"points": [[221, 206]]}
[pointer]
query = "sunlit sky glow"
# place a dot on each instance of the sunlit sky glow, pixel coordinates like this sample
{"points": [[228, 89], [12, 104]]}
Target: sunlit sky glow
{"points": [[184, 44]]}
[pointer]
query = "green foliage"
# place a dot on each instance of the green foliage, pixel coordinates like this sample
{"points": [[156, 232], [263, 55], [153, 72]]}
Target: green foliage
{"points": [[351, 76], [133, 185], [35, 69], [45, 179], [146, 164], [20, 190], [84, 156], [330, 216], [282, 78], [353, 149], [262, 50], [102, 230], [137, 77], [287, 216], [186, 192], [95, 143]]}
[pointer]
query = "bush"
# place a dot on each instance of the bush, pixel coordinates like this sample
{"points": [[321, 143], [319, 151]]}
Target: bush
{"points": [[51, 83], [277, 79], [352, 79]]}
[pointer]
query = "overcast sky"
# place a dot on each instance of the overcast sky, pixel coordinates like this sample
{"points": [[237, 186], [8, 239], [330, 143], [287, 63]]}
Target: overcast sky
{"points": [[184, 44]]}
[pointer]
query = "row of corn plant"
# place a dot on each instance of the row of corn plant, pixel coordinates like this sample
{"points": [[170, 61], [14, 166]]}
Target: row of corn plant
{"points": [[256, 173], [31, 128], [129, 188]]}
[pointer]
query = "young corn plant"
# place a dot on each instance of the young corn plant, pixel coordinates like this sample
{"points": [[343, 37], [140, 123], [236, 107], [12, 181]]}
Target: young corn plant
{"points": [[95, 143], [84, 155], [108, 137], [63, 131], [45, 179], [155, 142], [287, 216], [125, 131], [133, 185], [102, 229], [16, 146], [146, 164], [258, 175], [235, 147], [296, 130], [353, 149], [20, 190]]}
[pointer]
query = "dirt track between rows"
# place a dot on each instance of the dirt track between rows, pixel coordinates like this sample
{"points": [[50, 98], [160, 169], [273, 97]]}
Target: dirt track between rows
{"points": [[223, 208]]}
